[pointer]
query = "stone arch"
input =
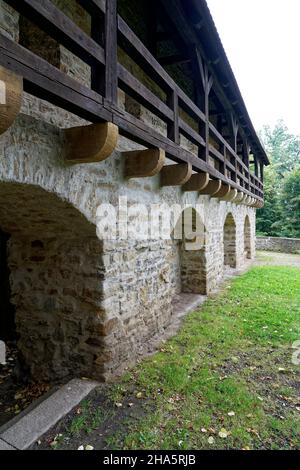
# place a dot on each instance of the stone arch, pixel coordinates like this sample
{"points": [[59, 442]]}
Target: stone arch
{"points": [[230, 245], [56, 270], [247, 238], [192, 252]]}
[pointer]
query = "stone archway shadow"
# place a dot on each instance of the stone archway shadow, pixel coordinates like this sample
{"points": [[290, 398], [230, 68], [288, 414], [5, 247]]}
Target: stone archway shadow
{"points": [[56, 273]]}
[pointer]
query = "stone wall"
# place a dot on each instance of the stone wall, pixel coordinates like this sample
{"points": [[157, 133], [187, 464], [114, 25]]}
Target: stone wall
{"points": [[84, 305], [284, 245]]}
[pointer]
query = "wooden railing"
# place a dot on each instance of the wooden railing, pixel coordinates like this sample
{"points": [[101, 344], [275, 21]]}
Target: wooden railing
{"points": [[100, 102]]}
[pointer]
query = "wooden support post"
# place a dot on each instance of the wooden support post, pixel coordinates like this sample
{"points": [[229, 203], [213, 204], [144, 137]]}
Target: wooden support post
{"points": [[261, 167], [111, 52], [92, 143], [173, 127], [175, 175], [212, 188], [197, 182], [223, 191], [143, 163], [11, 89], [202, 100]]}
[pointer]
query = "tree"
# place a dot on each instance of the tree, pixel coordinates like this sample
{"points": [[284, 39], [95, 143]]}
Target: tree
{"points": [[282, 147], [281, 211], [290, 201]]}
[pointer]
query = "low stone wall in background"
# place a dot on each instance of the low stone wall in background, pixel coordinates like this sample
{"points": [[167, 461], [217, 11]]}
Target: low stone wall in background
{"points": [[285, 245]]}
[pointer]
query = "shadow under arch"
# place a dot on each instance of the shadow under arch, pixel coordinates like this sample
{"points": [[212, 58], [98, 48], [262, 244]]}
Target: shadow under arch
{"points": [[190, 232], [247, 238], [55, 268], [229, 240]]}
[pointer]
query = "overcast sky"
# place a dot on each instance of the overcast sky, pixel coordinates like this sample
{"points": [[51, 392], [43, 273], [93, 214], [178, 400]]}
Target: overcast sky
{"points": [[262, 42]]}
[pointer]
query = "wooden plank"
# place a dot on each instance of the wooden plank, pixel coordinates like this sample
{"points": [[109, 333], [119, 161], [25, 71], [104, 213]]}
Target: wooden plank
{"points": [[133, 87], [190, 133], [61, 28], [47, 82]]}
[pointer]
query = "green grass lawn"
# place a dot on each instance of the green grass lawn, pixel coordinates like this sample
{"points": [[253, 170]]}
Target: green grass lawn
{"points": [[226, 380]]}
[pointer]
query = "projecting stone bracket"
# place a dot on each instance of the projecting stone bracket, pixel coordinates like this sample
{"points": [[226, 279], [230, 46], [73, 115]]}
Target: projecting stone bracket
{"points": [[175, 175], [143, 163], [197, 182], [90, 144], [11, 91]]}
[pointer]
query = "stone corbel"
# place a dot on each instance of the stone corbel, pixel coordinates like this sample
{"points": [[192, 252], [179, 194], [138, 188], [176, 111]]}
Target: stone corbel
{"points": [[91, 143], [11, 91]]}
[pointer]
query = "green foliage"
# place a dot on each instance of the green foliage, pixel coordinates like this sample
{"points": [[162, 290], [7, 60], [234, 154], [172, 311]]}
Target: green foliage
{"points": [[227, 368], [281, 213]]}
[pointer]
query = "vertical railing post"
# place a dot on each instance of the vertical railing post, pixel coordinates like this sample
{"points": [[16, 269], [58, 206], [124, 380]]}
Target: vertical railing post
{"points": [[111, 52], [202, 100], [173, 126]]}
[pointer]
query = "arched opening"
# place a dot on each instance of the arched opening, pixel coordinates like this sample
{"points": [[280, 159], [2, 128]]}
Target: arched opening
{"points": [[190, 231], [51, 277], [229, 236], [7, 316], [247, 238]]}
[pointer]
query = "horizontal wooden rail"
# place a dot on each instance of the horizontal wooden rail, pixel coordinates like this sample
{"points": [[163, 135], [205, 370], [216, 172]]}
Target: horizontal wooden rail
{"points": [[133, 87], [47, 82], [61, 28]]}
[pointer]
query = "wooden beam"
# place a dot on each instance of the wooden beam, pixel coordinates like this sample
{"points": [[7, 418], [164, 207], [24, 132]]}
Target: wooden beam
{"points": [[92, 143], [61, 28], [197, 182], [11, 90], [239, 198], [223, 191], [231, 196], [212, 188], [143, 163], [173, 59], [175, 175], [48, 83]]}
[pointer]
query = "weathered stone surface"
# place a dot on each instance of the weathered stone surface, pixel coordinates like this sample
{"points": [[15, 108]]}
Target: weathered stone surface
{"points": [[285, 245]]}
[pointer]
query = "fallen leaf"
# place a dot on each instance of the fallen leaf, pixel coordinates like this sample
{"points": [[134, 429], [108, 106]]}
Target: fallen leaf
{"points": [[223, 433]]}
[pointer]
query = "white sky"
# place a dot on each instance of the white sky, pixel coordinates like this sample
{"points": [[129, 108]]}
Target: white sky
{"points": [[262, 42]]}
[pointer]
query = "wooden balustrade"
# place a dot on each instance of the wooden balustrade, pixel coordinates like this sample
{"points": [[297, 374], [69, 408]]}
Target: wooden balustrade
{"points": [[100, 102]]}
